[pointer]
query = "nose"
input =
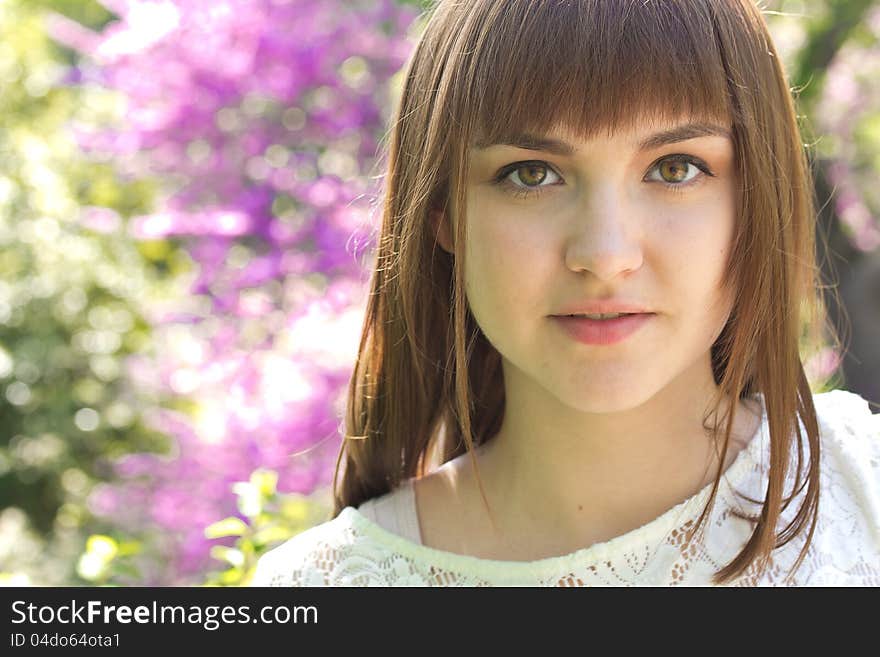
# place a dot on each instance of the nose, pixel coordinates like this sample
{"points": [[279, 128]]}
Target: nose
{"points": [[605, 237]]}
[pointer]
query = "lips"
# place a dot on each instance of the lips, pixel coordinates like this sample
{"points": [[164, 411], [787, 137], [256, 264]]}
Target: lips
{"points": [[596, 306], [603, 331], [600, 315]]}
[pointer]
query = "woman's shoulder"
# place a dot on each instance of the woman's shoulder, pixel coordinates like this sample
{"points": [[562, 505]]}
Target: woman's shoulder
{"points": [[850, 450], [848, 534], [310, 557], [851, 431], [349, 550]]}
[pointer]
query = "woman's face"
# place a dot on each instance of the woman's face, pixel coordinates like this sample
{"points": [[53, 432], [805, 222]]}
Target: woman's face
{"points": [[644, 217]]}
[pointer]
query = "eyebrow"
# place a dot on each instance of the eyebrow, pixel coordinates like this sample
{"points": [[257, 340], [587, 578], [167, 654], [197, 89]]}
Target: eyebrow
{"points": [[672, 136]]}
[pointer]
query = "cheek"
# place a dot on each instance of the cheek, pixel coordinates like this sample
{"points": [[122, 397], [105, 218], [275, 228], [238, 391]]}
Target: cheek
{"points": [[695, 245], [717, 238], [505, 256]]}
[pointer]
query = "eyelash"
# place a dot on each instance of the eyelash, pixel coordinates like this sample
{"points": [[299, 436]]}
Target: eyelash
{"points": [[676, 188]]}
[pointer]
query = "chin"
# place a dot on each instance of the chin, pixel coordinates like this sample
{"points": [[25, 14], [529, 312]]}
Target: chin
{"points": [[608, 400]]}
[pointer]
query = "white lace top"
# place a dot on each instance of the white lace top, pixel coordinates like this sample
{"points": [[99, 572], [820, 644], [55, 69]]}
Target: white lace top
{"points": [[378, 544]]}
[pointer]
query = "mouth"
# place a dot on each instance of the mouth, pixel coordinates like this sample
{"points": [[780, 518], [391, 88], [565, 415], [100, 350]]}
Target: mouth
{"points": [[600, 316], [610, 330]]}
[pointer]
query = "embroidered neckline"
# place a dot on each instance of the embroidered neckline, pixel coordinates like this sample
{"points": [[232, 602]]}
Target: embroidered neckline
{"points": [[651, 534]]}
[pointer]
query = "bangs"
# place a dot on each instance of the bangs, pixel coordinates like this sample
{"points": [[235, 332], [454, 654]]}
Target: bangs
{"points": [[590, 66]]}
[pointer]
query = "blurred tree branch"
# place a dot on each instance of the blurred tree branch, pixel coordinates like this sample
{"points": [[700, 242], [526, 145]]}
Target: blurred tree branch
{"points": [[825, 36], [843, 264]]}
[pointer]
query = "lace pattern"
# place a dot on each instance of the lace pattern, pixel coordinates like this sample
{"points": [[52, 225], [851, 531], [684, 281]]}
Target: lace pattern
{"points": [[352, 550]]}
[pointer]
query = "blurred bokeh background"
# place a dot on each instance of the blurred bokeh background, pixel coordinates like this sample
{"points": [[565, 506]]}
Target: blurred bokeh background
{"points": [[187, 210]]}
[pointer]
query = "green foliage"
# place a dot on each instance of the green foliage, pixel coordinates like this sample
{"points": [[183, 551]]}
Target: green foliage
{"points": [[105, 558], [69, 303], [827, 31], [271, 518]]}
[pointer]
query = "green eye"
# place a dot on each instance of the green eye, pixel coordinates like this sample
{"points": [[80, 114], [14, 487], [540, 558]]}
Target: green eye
{"points": [[674, 170], [534, 174], [677, 173], [530, 175]]}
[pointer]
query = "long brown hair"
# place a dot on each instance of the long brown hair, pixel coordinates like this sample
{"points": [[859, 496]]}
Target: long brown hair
{"points": [[427, 384]]}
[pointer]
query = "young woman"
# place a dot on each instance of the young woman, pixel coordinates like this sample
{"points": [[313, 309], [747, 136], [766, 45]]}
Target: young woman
{"points": [[554, 164]]}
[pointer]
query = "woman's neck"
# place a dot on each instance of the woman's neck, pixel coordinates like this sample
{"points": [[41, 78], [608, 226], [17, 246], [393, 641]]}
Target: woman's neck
{"points": [[556, 481]]}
